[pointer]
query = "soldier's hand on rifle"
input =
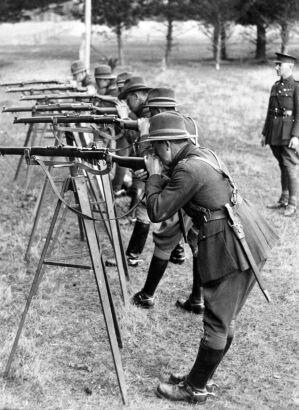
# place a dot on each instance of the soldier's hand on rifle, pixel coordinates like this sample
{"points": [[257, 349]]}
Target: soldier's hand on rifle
{"points": [[153, 164], [122, 109], [294, 144], [143, 126], [141, 174], [263, 140]]}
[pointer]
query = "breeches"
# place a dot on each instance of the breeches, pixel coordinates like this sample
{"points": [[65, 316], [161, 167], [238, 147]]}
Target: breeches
{"points": [[287, 160], [141, 211], [223, 303], [169, 235]]}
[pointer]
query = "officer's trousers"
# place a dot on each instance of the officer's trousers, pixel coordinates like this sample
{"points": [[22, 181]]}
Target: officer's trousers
{"points": [[287, 161], [223, 302]]}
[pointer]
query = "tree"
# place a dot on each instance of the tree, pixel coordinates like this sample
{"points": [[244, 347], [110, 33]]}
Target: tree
{"points": [[119, 15], [285, 14], [15, 10], [215, 14], [171, 11], [262, 13]]}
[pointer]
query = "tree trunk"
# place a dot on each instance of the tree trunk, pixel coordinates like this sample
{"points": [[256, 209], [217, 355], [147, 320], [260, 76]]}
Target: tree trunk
{"points": [[169, 40], [223, 43], [120, 51], [285, 36], [217, 44], [261, 42]]}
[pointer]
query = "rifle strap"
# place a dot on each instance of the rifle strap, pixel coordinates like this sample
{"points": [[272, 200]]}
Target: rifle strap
{"points": [[55, 190], [74, 210], [91, 130]]}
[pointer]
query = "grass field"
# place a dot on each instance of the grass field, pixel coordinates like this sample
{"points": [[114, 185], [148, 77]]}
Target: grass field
{"points": [[64, 351]]}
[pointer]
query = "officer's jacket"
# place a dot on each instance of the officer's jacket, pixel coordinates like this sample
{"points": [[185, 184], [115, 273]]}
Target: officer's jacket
{"points": [[282, 121], [194, 185]]}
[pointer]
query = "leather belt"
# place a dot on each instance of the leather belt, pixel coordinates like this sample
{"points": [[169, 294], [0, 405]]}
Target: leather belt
{"points": [[281, 113], [213, 215]]}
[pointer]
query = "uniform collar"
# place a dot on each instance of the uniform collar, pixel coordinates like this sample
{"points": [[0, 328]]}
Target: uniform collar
{"points": [[289, 79], [183, 153]]}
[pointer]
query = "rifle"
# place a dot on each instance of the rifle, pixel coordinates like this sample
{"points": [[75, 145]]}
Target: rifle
{"points": [[75, 96], [92, 153], [23, 83], [62, 107], [77, 119], [58, 87]]}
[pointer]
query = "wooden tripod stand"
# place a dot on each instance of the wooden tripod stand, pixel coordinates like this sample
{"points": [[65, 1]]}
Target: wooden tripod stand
{"points": [[76, 183]]}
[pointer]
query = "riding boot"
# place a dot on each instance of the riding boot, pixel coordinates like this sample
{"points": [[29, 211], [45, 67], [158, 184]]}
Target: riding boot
{"points": [[155, 274], [137, 242], [145, 297], [177, 255], [194, 303], [205, 364], [229, 341], [196, 294]]}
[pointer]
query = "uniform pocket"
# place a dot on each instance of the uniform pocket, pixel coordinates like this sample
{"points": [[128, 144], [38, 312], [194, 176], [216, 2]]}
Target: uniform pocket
{"points": [[215, 256], [287, 125]]}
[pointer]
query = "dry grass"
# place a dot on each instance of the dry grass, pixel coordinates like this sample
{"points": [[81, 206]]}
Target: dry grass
{"points": [[65, 327]]}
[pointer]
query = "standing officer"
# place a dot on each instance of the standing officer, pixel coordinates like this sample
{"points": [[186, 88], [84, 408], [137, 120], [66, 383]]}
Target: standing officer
{"points": [[281, 131], [200, 184]]}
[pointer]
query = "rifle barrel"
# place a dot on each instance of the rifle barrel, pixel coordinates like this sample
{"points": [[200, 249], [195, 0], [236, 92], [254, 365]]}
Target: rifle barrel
{"points": [[77, 119], [58, 87], [23, 83], [67, 119], [75, 152], [62, 107], [74, 96]]}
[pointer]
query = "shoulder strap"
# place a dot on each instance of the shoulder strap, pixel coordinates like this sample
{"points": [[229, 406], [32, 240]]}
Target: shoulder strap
{"points": [[220, 170], [194, 137]]}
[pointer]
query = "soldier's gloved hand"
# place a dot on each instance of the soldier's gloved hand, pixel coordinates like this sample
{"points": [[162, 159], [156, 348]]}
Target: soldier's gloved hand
{"points": [[263, 140], [122, 109], [294, 143], [141, 174], [143, 126], [153, 164]]}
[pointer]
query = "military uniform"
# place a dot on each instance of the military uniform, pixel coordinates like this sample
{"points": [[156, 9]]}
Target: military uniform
{"points": [[200, 184], [282, 123]]}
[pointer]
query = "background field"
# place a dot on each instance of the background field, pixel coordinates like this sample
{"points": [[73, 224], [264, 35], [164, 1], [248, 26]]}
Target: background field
{"points": [[65, 326]]}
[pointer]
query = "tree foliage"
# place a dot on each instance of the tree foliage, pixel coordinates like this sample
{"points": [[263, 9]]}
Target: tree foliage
{"points": [[168, 11], [15, 10]]}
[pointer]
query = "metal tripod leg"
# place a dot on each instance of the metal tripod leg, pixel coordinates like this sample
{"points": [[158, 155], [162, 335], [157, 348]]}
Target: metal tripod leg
{"points": [[97, 264], [96, 195], [38, 209], [115, 234], [37, 212], [29, 169], [36, 280], [78, 185], [27, 139]]}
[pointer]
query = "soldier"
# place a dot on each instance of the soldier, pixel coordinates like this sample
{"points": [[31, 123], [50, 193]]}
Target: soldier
{"points": [[200, 184], [123, 145], [168, 238], [281, 131], [105, 80], [135, 93], [121, 78], [81, 76]]}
